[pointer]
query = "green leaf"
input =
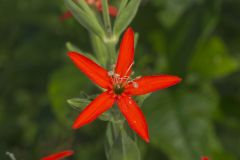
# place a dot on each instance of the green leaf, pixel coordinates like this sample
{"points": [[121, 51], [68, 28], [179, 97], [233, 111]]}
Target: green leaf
{"points": [[172, 10], [212, 60], [126, 16], [78, 103], [188, 33], [181, 123], [141, 99], [119, 146], [90, 150], [89, 21], [106, 17], [99, 49], [136, 37], [122, 6], [85, 7]]}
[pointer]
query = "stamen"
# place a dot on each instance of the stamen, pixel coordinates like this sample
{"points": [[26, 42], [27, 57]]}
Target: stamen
{"points": [[110, 73], [113, 66], [116, 75], [121, 81], [138, 77], [135, 84], [129, 68]]}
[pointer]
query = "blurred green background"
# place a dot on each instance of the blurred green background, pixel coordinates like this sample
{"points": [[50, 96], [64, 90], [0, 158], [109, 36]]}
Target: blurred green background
{"points": [[198, 40]]}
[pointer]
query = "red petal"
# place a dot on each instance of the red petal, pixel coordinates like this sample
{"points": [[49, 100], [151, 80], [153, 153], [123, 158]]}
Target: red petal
{"points": [[99, 105], [94, 72], [149, 84], [126, 54], [58, 156], [134, 116], [65, 16]]}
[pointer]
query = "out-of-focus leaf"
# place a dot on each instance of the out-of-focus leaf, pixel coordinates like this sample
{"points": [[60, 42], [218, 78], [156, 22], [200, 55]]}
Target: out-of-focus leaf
{"points": [[181, 123], [158, 42], [90, 150], [64, 84], [136, 37], [87, 20], [141, 99], [126, 16], [119, 146], [212, 60], [228, 119], [122, 6], [81, 103], [78, 103], [172, 10], [189, 32]]}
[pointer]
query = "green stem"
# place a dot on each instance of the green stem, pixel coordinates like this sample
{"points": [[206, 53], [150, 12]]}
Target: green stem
{"points": [[119, 144], [106, 18], [109, 40], [111, 49]]}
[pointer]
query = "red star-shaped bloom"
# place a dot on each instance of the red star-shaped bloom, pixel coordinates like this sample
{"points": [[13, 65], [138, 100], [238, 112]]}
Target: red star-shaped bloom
{"points": [[59, 155], [119, 87], [97, 4]]}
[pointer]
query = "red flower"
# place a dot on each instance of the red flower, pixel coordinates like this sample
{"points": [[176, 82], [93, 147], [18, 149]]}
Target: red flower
{"points": [[119, 87], [97, 4], [59, 155], [204, 158]]}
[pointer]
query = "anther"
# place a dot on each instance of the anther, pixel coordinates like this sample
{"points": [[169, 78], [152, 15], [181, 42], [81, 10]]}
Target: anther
{"points": [[116, 75], [110, 73], [113, 66], [135, 84]]}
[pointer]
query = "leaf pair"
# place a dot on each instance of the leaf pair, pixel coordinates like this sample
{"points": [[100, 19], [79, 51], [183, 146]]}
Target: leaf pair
{"points": [[87, 18]]}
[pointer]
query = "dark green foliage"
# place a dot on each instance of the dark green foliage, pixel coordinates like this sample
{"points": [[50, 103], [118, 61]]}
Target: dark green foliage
{"points": [[197, 40]]}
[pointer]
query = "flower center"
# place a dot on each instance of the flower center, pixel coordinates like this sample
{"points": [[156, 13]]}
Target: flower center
{"points": [[118, 89], [119, 82]]}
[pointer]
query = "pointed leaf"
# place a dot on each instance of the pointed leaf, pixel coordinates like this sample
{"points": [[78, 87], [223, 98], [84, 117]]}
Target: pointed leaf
{"points": [[85, 19], [126, 16]]}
